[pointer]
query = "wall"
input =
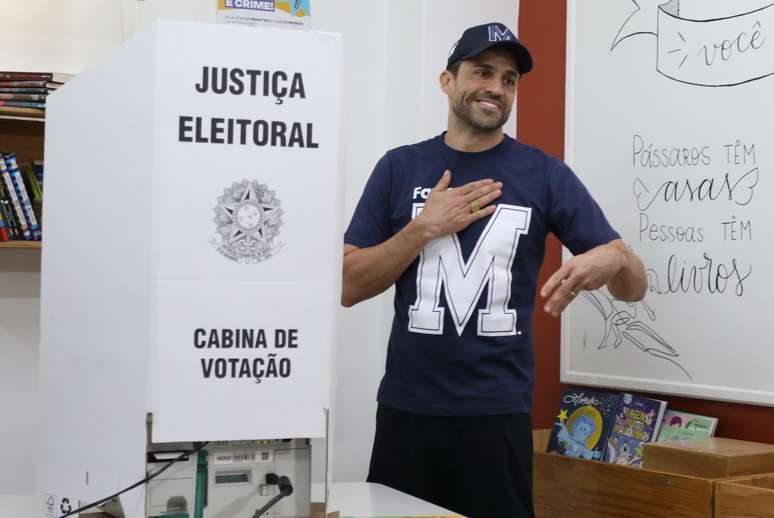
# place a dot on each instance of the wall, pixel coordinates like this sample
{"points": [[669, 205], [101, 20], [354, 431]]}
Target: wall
{"points": [[541, 123], [59, 36], [542, 25], [393, 53], [19, 336]]}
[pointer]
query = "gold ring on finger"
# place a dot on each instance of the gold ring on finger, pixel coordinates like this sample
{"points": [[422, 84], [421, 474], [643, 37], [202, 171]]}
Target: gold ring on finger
{"points": [[475, 206], [572, 294]]}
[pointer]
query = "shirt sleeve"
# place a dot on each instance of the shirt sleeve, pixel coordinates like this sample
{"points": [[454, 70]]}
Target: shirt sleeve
{"points": [[371, 223], [574, 215]]}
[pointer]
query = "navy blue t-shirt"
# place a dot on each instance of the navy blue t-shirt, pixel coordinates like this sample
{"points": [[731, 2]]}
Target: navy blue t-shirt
{"points": [[461, 340]]}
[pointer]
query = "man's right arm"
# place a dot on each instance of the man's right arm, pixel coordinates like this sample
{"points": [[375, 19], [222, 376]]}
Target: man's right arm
{"points": [[371, 270]]}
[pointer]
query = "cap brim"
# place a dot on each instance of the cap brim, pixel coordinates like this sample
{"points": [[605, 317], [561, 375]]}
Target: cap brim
{"points": [[519, 51]]}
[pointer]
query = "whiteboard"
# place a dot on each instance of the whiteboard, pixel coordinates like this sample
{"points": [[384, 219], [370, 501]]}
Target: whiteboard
{"points": [[670, 124]]}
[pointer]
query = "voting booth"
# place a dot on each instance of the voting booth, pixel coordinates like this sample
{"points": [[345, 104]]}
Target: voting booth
{"points": [[192, 263]]}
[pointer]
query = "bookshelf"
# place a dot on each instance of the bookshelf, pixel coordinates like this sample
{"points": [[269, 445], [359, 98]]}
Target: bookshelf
{"points": [[22, 132], [30, 114], [21, 245], [701, 478]]}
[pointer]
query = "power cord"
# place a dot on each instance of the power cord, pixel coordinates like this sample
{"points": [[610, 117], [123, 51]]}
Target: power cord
{"points": [[139, 483], [285, 489]]}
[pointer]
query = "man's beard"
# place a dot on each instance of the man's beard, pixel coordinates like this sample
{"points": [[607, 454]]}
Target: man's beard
{"points": [[479, 122]]}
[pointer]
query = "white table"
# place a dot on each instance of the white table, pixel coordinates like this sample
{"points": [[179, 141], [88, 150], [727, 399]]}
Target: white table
{"points": [[365, 499], [349, 498]]}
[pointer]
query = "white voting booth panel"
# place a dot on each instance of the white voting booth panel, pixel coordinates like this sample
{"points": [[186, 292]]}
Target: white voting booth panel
{"points": [[191, 269]]}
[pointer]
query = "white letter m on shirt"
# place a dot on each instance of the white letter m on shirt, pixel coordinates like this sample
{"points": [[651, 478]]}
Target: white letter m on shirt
{"points": [[441, 264]]}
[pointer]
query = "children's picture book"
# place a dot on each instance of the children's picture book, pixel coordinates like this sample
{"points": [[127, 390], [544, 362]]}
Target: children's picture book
{"points": [[637, 422], [678, 426], [583, 423]]}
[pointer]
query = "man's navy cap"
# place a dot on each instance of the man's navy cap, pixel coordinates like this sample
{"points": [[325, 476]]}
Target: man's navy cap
{"points": [[476, 40]]}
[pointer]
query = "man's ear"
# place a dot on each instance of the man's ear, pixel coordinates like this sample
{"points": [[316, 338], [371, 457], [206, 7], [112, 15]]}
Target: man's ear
{"points": [[446, 80]]}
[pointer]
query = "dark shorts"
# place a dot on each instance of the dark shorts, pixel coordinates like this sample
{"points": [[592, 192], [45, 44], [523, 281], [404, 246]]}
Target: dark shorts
{"points": [[477, 466]]}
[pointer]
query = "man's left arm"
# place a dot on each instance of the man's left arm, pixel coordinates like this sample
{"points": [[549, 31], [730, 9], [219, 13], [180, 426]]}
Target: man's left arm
{"points": [[612, 264]]}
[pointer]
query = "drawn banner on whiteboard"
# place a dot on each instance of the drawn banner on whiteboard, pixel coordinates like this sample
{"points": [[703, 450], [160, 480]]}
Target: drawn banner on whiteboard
{"points": [[705, 45]]}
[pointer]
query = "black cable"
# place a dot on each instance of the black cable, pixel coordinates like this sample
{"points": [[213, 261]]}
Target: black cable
{"points": [[137, 484], [285, 489], [266, 507]]}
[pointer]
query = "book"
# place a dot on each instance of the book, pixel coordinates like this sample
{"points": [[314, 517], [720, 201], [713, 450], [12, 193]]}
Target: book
{"points": [[11, 228], [33, 189], [3, 231], [24, 90], [37, 166], [17, 184], [583, 424], [681, 426], [22, 97], [11, 225], [23, 104], [637, 422], [56, 77], [31, 181], [24, 195], [13, 203], [42, 85]]}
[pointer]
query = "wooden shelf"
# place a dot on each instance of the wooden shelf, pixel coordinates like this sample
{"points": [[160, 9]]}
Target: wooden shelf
{"points": [[22, 133], [21, 245], [30, 114], [568, 486], [750, 497], [22, 137]]}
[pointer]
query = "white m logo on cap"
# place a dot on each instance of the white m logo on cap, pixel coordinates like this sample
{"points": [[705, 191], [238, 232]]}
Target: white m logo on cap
{"points": [[497, 34]]}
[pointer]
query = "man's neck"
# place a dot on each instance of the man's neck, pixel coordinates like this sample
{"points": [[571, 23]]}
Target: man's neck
{"points": [[472, 142]]}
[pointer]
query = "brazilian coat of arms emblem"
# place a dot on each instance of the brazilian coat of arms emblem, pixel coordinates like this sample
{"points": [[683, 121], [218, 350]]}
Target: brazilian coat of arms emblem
{"points": [[247, 218]]}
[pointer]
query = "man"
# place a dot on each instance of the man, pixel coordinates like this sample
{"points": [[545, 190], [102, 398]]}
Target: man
{"points": [[453, 422]]}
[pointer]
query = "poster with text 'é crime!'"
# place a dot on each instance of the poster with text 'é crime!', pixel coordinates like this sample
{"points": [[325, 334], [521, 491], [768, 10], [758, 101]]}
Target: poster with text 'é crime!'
{"points": [[288, 14]]}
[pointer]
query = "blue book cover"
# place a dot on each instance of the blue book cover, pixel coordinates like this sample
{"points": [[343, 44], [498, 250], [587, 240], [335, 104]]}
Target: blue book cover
{"points": [[21, 193], [583, 423], [13, 199], [637, 422], [37, 166], [23, 104]]}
